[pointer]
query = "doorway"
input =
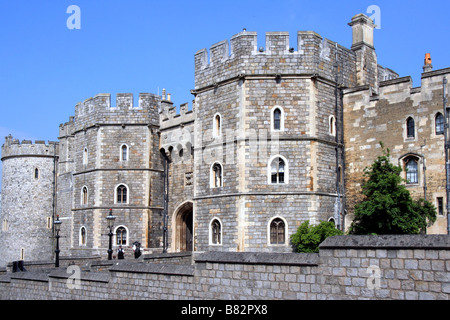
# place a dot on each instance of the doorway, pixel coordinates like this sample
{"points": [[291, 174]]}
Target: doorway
{"points": [[184, 228]]}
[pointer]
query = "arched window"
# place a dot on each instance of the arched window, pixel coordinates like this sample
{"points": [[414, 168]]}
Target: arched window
{"points": [[216, 175], [124, 152], [277, 119], [216, 232], [84, 195], [277, 231], [121, 194], [410, 128], [36, 173], [217, 125], [82, 240], [85, 156], [332, 125], [121, 236], [332, 220], [412, 174], [278, 171], [439, 123]]}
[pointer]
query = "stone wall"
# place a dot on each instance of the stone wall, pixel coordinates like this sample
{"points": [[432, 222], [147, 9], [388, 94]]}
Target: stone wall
{"points": [[347, 267], [371, 117]]}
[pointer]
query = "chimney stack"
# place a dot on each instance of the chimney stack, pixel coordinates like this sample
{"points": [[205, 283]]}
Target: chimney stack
{"points": [[427, 64], [362, 31]]}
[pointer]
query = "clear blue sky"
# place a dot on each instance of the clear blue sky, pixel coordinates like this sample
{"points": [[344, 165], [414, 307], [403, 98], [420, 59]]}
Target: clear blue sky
{"points": [[145, 45]]}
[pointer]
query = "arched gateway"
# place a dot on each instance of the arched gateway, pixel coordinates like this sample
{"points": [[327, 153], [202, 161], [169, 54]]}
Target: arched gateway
{"points": [[183, 228]]}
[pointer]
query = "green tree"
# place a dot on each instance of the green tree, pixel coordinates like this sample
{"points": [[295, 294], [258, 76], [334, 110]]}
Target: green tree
{"points": [[307, 238], [388, 207]]}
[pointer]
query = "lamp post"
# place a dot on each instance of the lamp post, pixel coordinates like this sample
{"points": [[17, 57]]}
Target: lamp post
{"points": [[57, 225], [110, 220]]}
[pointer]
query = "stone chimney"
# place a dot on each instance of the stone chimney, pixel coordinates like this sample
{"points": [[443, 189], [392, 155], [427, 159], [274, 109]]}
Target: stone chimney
{"points": [[427, 66], [362, 31], [362, 45]]}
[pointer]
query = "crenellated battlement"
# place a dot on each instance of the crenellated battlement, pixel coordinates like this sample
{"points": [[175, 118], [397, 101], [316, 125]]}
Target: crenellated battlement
{"points": [[13, 147], [168, 116], [124, 102], [99, 110], [241, 57]]}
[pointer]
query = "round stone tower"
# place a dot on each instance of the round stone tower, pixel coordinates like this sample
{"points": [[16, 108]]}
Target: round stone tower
{"points": [[28, 189]]}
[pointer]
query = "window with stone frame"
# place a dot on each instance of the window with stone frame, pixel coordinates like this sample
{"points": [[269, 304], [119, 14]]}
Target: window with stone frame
{"points": [[439, 124], [122, 194], [410, 128], [124, 152], [216, 175], [277, 119], [121, 236], [217, 125], [412, 170], [216, 232], [277, 171], [277, 231], [332, 125], [85, 156], [82, 236], [84, 195]]}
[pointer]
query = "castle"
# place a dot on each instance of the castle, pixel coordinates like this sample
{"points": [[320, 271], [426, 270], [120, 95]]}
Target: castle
{"points": [[275, 136]]}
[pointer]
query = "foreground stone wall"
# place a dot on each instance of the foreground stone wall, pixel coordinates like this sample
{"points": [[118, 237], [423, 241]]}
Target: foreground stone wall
{"points": [[347, 267]]}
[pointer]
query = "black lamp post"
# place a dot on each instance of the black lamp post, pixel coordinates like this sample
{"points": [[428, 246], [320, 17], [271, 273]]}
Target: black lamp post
{"points": [[57, 225], [110, 220]]}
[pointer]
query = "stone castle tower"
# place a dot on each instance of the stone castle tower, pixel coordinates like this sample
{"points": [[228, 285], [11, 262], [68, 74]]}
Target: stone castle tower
{"points": [[271, 141], [109, 159], [28, 199]]}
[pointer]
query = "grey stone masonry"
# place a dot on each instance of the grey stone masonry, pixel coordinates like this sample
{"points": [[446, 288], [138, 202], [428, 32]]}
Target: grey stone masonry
{"points": [[346, 268]]}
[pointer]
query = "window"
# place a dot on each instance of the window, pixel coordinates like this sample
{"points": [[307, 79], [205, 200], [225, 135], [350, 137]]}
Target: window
{"points": [[440, 205], [332, 220], [22, 254], [277, 119], [84, 195], [85, 156], [332, 125], [122, 194], [82, 241], [217, 125], [36, 173], [124, 153], [121, 236], [277, 231], [216, 232], [277, 171], [5, 225], [49, 223], [412, 175], [410, 128], [439, 123], [216, 175]]}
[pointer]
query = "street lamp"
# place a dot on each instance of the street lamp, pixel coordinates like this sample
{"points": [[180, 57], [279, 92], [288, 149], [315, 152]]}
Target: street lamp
{"points": [[57, 225], [110, 220]]}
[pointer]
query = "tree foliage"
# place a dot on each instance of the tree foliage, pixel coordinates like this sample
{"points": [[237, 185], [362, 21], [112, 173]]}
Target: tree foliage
{"points": [[388, 207], [307, 238]]}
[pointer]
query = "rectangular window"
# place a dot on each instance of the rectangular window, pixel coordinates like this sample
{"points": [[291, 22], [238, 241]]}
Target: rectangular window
{"points": [[440, 205]]}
